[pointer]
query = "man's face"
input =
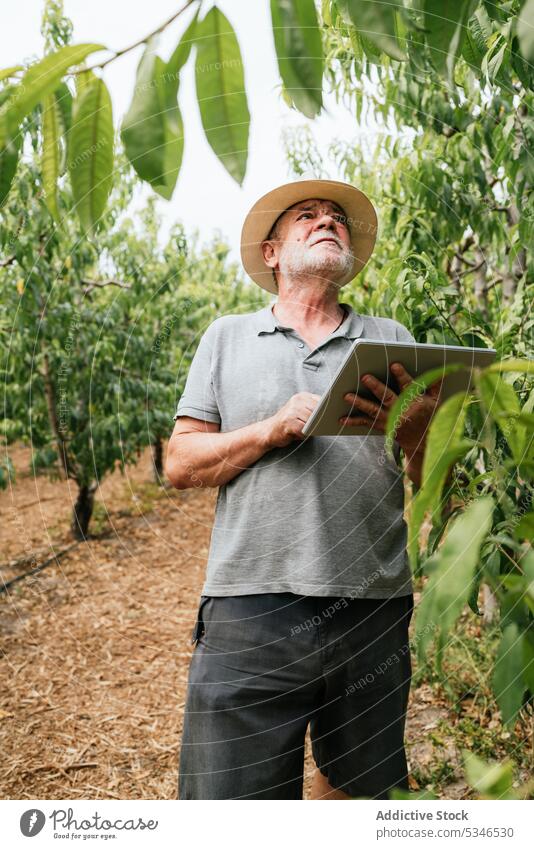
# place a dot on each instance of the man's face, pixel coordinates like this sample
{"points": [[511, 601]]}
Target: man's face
{"points": [[312, 238]]}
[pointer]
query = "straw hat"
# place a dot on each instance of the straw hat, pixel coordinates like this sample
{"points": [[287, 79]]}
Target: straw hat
{"points": [[360, 212]]}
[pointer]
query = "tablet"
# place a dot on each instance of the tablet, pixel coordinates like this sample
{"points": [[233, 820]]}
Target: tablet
{"points": [[372, 356]]}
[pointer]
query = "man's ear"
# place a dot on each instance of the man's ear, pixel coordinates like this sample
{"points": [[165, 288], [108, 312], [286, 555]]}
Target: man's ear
{"points": [[269, 253]]}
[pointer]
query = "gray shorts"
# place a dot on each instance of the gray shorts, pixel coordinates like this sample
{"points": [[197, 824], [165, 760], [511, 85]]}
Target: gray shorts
{"points": [[267, 665]]}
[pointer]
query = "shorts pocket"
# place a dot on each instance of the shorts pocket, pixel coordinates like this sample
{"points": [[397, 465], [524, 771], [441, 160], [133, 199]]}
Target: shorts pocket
{"points": [[199, 628]]}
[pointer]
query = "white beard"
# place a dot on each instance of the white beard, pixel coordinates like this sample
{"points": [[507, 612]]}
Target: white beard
{"points": [[299, 259]]}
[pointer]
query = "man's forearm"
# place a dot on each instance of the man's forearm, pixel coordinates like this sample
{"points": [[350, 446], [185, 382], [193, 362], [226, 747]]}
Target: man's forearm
{"points": [[213, 459]]}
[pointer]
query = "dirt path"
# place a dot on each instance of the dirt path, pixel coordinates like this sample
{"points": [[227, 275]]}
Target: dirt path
{"points": [[95, 649]]}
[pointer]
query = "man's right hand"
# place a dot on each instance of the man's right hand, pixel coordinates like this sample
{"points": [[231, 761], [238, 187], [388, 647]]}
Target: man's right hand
{"points": [[286, 425]]}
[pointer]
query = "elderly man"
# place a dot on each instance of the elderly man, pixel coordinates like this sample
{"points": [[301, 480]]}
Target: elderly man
{"points": [[304, 613]]}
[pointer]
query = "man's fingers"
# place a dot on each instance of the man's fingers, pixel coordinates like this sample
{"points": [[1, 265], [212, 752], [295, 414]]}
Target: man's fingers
{"points": [[403, 377], [372, 408], [362, 420], [379, 389]]}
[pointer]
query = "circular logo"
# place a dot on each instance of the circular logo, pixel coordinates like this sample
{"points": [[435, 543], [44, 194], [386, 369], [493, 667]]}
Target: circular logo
{"points": [[31, 822]]}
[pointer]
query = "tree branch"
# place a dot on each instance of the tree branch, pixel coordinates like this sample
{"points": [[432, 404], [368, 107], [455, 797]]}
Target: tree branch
{"points": [[472, 268], [67, 465], [138, 43], [101, 284]]}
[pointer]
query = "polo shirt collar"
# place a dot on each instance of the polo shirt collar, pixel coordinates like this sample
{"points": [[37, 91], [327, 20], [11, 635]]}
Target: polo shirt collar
{"points": [[351, 328]]}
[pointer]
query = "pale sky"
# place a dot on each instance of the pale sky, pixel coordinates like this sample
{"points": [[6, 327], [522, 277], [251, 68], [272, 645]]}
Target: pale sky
{"points": [[206, 197]]}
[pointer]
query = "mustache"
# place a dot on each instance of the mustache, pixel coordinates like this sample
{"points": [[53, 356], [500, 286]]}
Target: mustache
{"points": [[332, 236]]}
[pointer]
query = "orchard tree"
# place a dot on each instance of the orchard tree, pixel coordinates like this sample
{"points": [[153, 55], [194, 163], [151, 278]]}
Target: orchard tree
{"points": [[96, 329], [73, 370], [186, 284], [98, 335], [398, 39]]}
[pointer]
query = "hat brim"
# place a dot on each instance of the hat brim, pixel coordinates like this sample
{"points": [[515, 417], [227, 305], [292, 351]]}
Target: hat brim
{"points": [[360, 213]]}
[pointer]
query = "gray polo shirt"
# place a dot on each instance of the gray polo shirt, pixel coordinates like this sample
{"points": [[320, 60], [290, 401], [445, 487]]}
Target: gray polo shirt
{"points": [[322, 517]]}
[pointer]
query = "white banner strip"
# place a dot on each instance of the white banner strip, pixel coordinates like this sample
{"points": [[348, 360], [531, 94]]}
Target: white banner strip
{"points": [[256, 824]]}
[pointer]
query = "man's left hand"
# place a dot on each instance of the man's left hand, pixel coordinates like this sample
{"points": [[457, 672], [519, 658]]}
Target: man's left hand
{"points": [[414, 421]]}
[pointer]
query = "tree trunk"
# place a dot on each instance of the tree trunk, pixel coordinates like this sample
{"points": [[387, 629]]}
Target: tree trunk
{"points": [[66, 466], [83, 510], [157, 460]]}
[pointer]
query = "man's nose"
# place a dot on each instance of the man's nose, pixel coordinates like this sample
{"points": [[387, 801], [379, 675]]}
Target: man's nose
{"points": [[326, 220]]}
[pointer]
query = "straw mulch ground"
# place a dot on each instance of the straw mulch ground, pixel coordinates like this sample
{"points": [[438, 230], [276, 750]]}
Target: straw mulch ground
{"points": [[95, 650]]}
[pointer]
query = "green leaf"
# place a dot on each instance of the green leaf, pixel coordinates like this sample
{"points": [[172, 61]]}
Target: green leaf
{"points": [[528, 659], [221, 92], [446, 593], [502, 403], [508, 683], [525, 30], [64, 101], [525, 527], [514, 364], [446, 27], [5, 73], [152, 130], [522, 68], [415, 388], [444, 446], [182, 51], [9, 157], [299, 50], [377, 21], [490, 779], [38, 81], [398, 793], [51, 153], [90, 151]]}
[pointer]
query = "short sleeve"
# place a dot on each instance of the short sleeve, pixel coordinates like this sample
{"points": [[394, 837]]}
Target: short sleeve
{"points": [[403, 334], [198, 398]]}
